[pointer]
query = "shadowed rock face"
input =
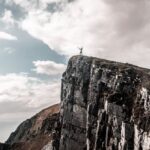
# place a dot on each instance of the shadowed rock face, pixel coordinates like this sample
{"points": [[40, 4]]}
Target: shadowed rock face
{"points": [[4, 146], [104, 105]]}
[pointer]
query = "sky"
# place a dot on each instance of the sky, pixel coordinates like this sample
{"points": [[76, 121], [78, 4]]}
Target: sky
{"points": [[37, 37]]}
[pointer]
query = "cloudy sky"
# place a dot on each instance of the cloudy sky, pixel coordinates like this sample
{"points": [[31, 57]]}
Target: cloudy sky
{"points": [[38, 36]]}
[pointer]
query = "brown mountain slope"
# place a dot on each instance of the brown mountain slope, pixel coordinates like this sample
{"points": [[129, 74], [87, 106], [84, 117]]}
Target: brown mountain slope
{"points": [[36, 132]]}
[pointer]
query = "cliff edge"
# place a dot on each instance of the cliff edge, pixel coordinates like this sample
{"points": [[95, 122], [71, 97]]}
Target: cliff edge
{"points": [[104, 105]]}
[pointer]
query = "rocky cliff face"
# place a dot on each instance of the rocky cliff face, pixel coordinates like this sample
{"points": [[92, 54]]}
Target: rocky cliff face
{"points": [[36, 132], [104, 105]]}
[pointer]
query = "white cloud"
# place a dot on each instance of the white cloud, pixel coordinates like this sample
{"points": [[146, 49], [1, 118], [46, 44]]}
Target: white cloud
{"points": [[6, 36], [49, 67], [112, 29], [21, 96], [64, 31], [27, 4], [8, 18], [28, 90], [32, 4]]}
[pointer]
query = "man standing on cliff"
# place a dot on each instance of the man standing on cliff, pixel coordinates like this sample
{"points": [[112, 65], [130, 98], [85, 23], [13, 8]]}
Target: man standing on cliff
{"points": [[81, 50]]}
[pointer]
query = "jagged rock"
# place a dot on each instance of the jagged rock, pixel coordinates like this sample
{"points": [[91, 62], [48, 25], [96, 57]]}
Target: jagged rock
{"points": [[104, 105]]}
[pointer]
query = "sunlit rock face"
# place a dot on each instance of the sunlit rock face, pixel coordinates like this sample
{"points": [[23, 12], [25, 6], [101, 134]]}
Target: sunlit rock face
{"points": [[104, 105]]}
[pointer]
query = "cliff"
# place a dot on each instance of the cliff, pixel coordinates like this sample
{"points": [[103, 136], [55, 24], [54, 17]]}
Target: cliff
{"points": [[104, 105]]}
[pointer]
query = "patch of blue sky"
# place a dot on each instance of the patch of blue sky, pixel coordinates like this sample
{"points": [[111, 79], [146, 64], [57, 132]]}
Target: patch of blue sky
{"points": [[17, 56]]}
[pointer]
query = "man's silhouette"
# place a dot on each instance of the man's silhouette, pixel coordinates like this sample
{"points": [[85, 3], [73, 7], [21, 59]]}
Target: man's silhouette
{"points": [[81, 50]]}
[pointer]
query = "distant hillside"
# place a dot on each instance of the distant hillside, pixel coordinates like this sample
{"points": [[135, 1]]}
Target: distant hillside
{"points": [[36, 132]]}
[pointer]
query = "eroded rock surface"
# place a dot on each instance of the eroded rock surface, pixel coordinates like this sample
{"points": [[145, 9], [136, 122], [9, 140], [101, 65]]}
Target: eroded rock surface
{"points": [[104, 105]]}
